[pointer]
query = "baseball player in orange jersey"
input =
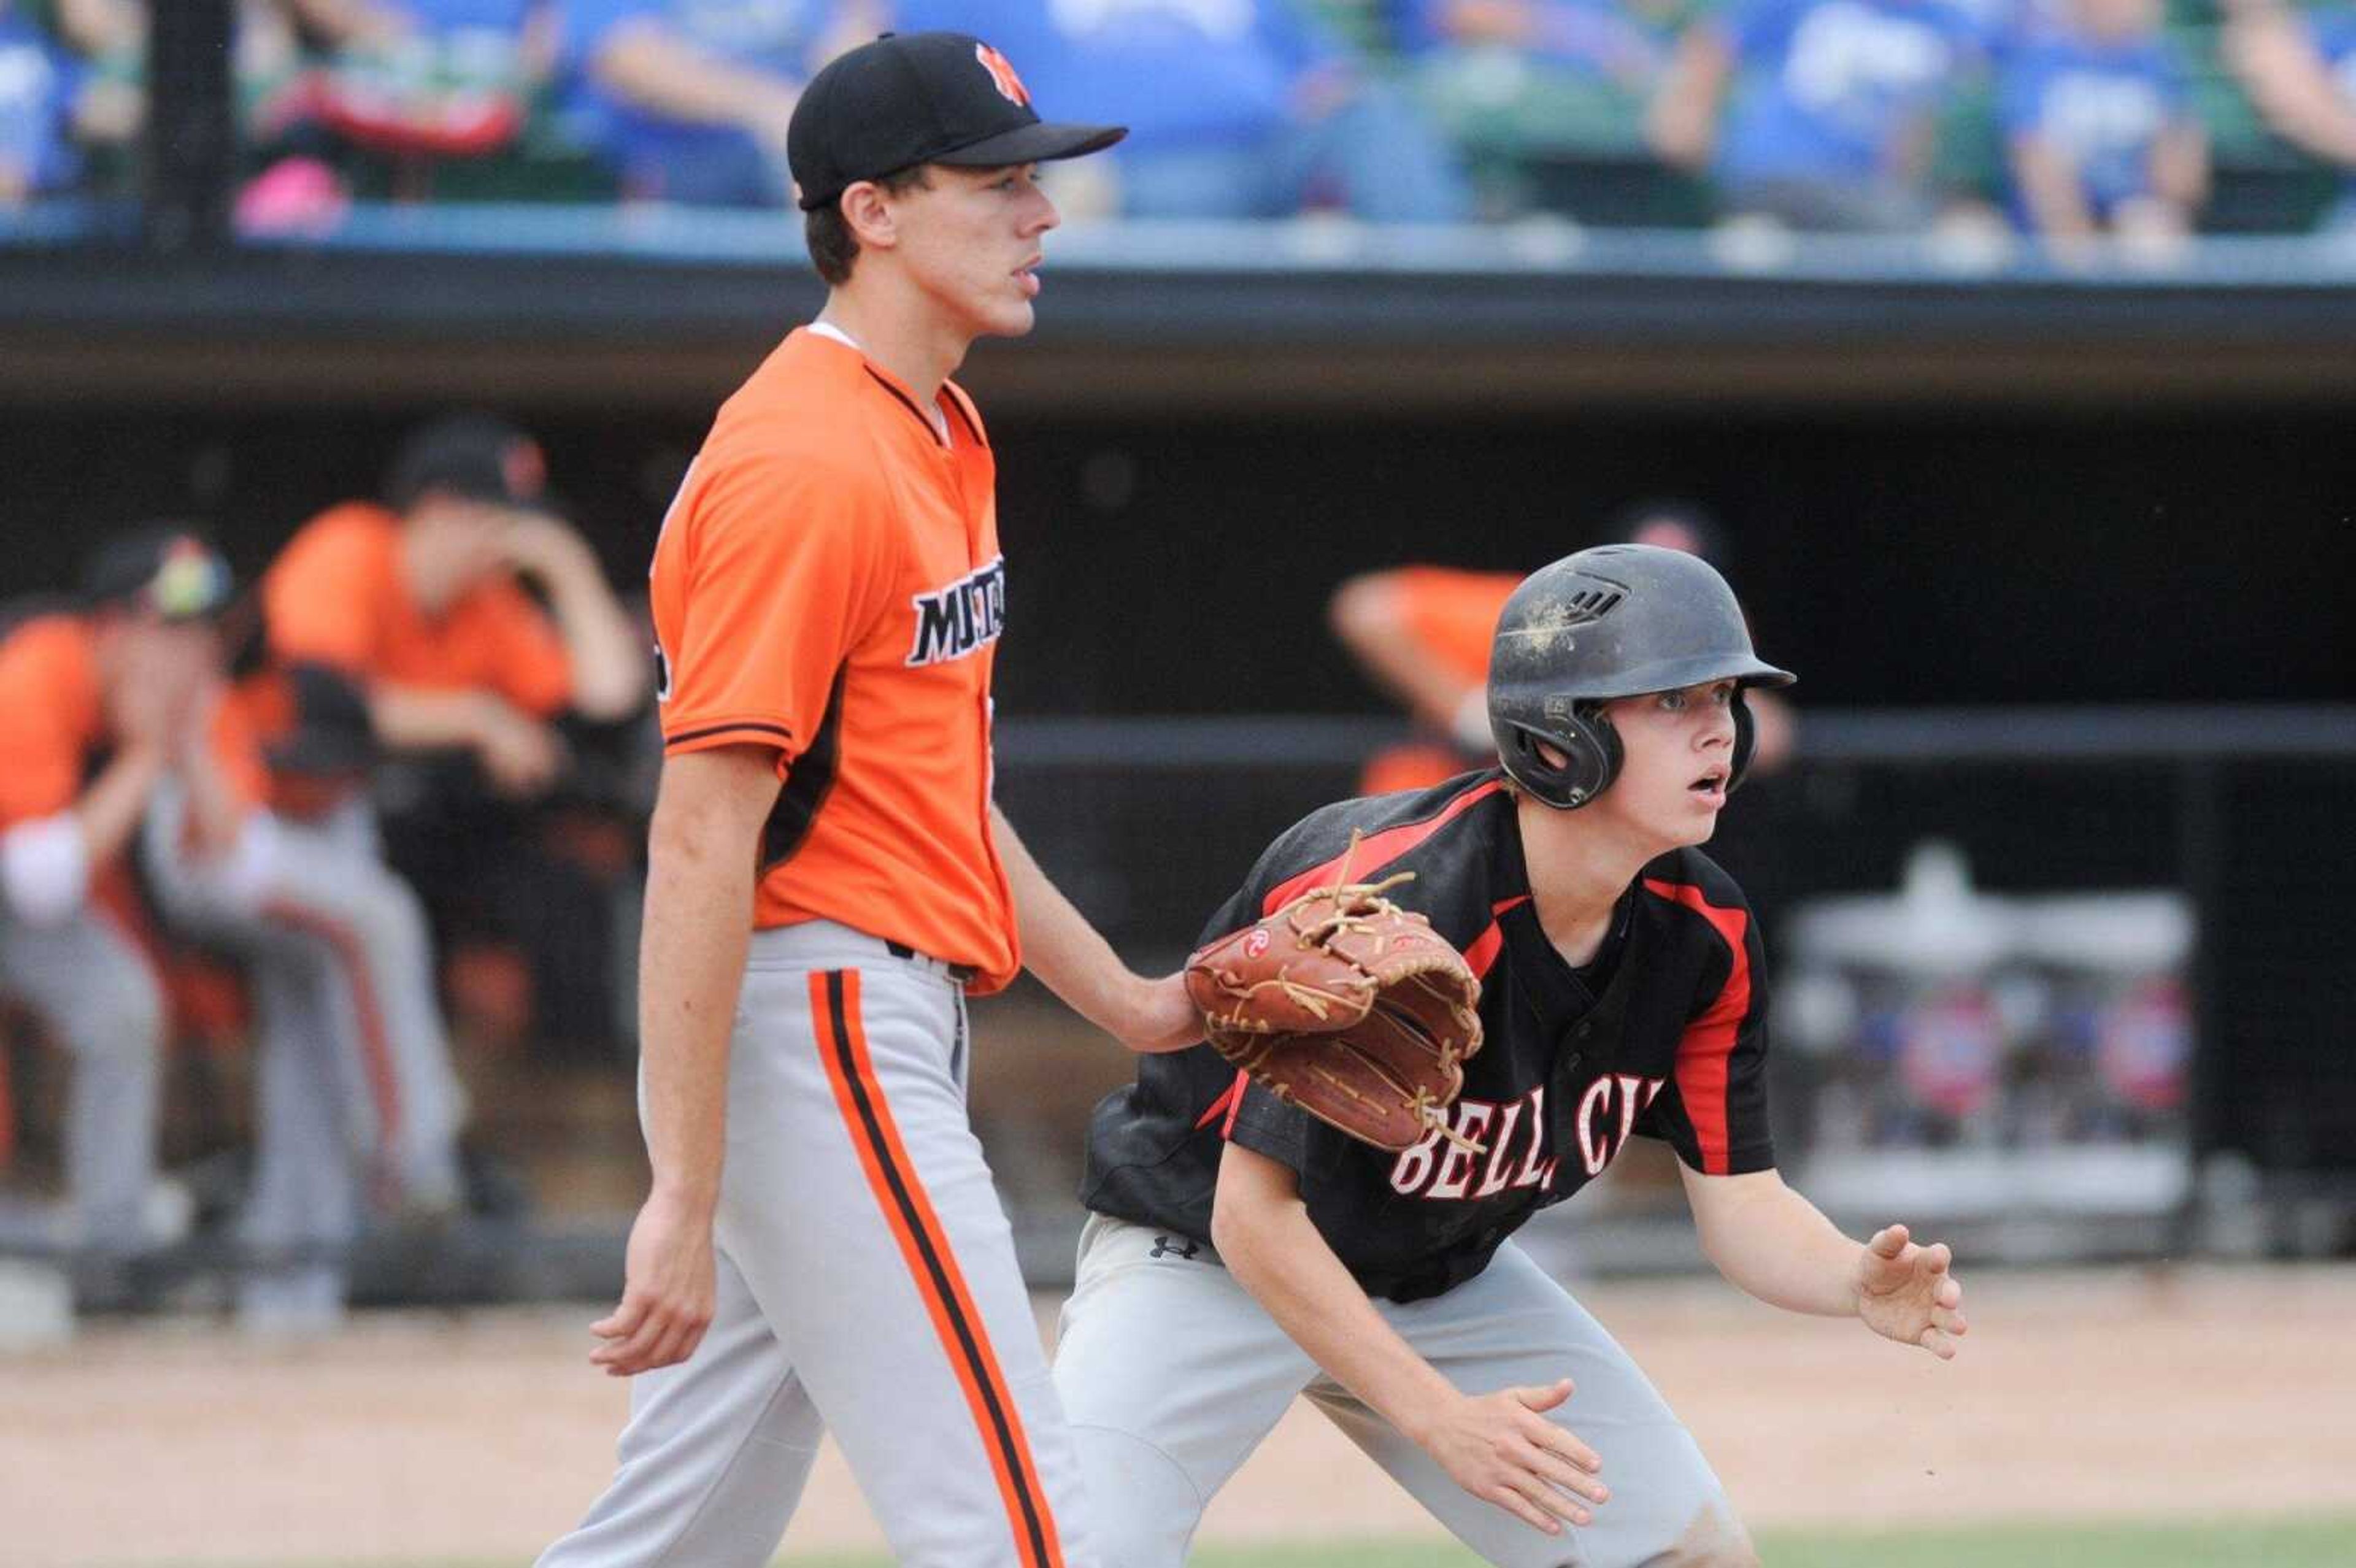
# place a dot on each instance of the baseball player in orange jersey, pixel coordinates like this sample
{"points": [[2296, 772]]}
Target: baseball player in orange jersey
{"points": [[93, 720], [350, 1074], [828, 593]]}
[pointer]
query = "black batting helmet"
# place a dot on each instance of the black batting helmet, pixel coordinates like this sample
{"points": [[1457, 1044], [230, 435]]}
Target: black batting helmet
{"points": [[1620, 620]]}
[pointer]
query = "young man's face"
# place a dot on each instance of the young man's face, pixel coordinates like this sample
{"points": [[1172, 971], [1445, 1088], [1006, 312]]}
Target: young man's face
{"points": [[449, 544], [970, 239], [1676, 754]]}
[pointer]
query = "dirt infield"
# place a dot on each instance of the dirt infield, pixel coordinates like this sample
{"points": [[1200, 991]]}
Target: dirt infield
{"points": [[2152, 1395]]}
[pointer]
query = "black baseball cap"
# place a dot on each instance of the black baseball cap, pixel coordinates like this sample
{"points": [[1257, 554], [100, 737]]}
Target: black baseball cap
{"points": [[328, 732], [475, 456], [921, 98], [167, 567]]}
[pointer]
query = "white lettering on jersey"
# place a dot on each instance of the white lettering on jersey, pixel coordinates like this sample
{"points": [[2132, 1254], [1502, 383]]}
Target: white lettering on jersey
{"points": [[1456, 1164], [954, 621], [1493, 1181], [1442, 1169], [1535, 1173], [1598, 1144]]}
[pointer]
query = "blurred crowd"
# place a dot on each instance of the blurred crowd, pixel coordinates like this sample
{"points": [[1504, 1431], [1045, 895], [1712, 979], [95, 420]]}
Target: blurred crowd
{"points": [[331, 838], [2145, 120]]}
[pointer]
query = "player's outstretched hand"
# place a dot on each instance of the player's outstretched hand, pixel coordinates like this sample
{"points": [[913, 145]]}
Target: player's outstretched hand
{"points": [[1502, 1448], [1908, 1293], [1162, 1017], [667, 1292]]}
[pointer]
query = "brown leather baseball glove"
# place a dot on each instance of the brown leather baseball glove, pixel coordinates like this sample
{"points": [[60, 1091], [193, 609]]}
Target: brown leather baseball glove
{"points": [[1347, 1006]]}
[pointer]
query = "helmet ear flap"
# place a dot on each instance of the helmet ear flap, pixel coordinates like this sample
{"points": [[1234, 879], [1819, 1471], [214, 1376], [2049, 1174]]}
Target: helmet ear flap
{"points": [[1590, 750], [1746, 740]]}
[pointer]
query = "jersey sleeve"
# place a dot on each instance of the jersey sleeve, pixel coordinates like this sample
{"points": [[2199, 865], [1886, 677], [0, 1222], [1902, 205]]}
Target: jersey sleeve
{"points": [[317, 601], [530, 665], [40, 756], [1714, 1110], [761, 592]]}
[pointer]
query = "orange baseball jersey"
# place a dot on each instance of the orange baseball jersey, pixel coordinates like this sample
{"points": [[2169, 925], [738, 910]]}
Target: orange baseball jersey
{"points": [[53, 722], [1453, 614], [829, 583], [336, 595]]}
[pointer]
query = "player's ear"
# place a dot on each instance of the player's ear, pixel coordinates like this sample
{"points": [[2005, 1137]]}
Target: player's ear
{"points": [[867, 213]]}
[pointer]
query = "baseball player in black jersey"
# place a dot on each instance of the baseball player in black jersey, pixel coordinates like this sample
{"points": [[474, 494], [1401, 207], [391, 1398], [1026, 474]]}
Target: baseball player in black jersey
{"points": [[1241, 1252]]}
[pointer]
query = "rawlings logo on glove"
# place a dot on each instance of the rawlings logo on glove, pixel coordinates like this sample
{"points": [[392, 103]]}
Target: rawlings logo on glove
{"points": [[1347, 1006]]}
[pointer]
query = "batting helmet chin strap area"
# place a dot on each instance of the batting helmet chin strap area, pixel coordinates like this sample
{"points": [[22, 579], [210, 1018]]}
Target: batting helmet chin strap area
{"points": [[1613, 622], [1591, 748]]}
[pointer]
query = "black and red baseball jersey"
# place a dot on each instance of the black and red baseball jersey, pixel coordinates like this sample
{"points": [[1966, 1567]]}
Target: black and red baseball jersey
{"points": [[1663, 1035]]}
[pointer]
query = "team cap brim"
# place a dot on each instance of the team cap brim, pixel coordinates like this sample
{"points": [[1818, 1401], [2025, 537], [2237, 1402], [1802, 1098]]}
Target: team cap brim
{"points": [[1041, 143]]}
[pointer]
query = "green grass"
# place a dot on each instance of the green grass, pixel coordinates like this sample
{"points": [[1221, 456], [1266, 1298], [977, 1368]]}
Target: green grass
{"points": [[2315, 1543]]}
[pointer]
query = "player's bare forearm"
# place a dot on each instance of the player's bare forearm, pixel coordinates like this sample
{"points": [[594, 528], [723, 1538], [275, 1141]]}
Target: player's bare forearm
{"points": [[1263, 1233], [117, 799], [607, 655], [1773, 1243], [608, 658], [416, 718], [1072, 959], [215, 812], [699, 870], [690, 965], [1499, 1446]]}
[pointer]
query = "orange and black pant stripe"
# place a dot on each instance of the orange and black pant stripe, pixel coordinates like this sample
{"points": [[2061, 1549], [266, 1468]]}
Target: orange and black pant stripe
{"points": [[375, 1043], [892, 1175]]}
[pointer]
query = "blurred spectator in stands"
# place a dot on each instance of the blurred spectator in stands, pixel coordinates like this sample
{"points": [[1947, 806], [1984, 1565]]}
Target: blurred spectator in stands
{"points": [[1422, 633], [2103, 138], [37, 83], [98, 709], [1518, 84], [421, 80], [434, 601], [688, 99], [1235, 108], [2299, 70], [110, 39], [1823, 114]]}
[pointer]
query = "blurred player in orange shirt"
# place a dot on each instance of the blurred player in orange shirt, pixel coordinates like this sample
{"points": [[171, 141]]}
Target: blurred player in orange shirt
{"points": [[99, 708], [358, 1112], [472, 619], [420, 599], [1423, 634]]}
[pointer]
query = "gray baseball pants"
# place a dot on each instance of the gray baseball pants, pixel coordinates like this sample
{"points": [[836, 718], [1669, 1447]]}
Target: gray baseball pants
{"points": [[98, 995], [1172, 1374], [357, 1107], [867, 1286]]}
